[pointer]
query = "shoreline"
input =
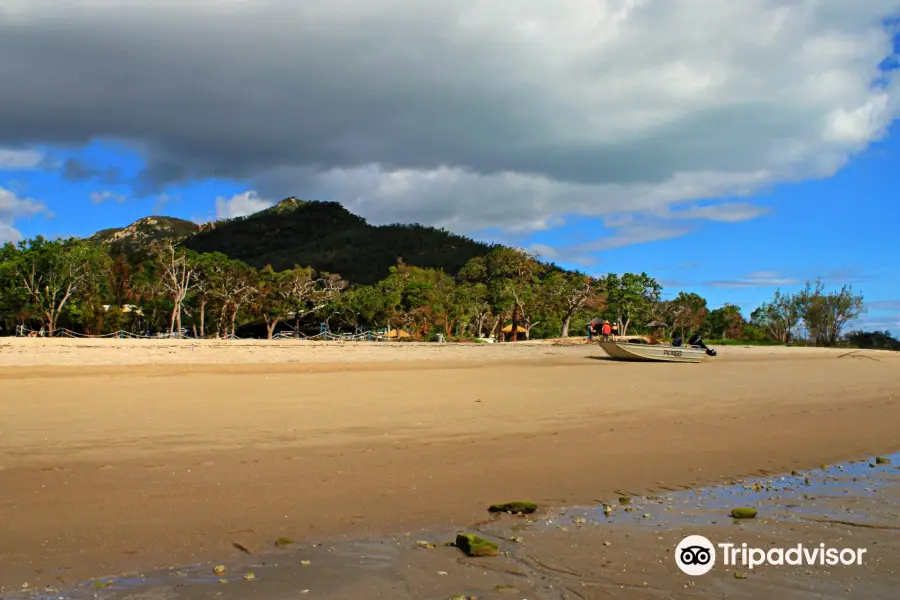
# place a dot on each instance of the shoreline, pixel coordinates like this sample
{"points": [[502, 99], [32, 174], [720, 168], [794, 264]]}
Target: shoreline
{"points": [[536, 551], [61, 353], [117, 468]]}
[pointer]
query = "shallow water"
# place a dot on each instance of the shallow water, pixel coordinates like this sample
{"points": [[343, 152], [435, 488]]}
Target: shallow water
{"points": [[542, 551], [830, 493]]}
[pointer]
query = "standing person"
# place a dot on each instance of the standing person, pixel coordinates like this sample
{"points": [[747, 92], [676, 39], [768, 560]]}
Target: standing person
{"points": [[606, 330], [592, 329], [615, 331]]}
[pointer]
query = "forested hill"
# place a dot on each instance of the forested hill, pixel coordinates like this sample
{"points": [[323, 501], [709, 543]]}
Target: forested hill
{"points": [[136, 239], [327, 237]]}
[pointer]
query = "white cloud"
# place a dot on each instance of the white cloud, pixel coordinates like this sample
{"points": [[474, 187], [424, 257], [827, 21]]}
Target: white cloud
{"points": [[884, 305], [630, 235], [98, 197], [13, 207], [890, 323], [240, 205], [731, 212], [468, 202], [14, 160], [470, 114], [756, 279]]}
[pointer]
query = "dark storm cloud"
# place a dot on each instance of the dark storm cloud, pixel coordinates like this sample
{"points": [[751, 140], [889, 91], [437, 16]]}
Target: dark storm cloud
{"points": [[74, 169], [570, 108]]}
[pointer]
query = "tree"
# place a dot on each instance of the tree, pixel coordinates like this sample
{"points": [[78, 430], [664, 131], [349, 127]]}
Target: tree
{"points": [[631, 296], [51, 272], [511, 276], [308, 292], [474, 300], [778, 317], [273, 300], [569, 292], [726, 322], [875, 340], [233, 285], [362, 306], [177, 271], [205, 273], [825, 314], [13, 299], [688, 312]]}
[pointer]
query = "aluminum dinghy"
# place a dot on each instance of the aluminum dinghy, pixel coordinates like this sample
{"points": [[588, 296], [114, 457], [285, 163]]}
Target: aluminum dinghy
{"points": [[654, 352]]}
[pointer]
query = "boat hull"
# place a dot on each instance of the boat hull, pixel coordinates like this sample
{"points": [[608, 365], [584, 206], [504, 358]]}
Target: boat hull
{"points": [[653, 352]]}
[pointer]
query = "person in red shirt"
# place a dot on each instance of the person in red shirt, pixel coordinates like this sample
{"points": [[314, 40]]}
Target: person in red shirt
{"points": [[606, 330]]}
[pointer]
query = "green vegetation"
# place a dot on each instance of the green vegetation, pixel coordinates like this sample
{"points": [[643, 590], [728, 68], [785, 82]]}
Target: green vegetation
{"points": [[743, 513], [137, 238], [300, 264], [473, 545], [327, 237], [518, 506]]}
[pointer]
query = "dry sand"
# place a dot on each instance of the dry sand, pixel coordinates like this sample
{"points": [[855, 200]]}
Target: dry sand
{"points": [[125, 454]]}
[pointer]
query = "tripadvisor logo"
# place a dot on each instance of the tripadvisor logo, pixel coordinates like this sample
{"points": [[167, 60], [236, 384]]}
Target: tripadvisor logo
{"points": [[696, 555]]}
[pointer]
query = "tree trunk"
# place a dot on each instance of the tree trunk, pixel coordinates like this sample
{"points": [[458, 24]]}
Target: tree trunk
{"points": [[565, 326], [270, 327], [480, 326], [203, 318], [178, 319], [172, 321], [234, 318], [51, 323], [515, 324], [222, 323]]}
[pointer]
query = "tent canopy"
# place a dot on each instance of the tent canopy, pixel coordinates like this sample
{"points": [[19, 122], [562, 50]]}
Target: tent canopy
{"points": [[394, 333], [519, 329]]}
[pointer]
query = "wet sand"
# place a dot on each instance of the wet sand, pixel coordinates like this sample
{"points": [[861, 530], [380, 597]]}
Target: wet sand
{"points": [[121, 456]]}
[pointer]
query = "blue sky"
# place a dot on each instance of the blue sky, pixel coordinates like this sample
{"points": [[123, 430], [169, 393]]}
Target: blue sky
{"points": [[756, 152]]}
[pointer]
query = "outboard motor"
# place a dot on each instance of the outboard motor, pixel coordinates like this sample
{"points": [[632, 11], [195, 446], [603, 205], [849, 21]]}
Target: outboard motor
{"points": [[696, 340]]}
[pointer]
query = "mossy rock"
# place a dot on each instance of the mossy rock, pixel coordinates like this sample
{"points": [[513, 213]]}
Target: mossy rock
{"points": [[518, 506], [624, 499], [744, 512], [882, 460], [473, 545], [283, 541]]}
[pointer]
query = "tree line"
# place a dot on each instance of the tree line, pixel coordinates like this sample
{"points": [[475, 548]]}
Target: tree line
{"points": [[50, 285]]}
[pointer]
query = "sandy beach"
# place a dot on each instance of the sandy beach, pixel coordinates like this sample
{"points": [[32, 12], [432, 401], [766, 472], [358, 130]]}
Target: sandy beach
{"points": [[118, 455]]}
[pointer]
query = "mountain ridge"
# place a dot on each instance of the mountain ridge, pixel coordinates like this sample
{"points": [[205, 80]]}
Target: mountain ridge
{"points": [[323, 235]]}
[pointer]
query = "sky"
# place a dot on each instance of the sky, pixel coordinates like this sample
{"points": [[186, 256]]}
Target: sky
{"points": [[728, 149]]}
